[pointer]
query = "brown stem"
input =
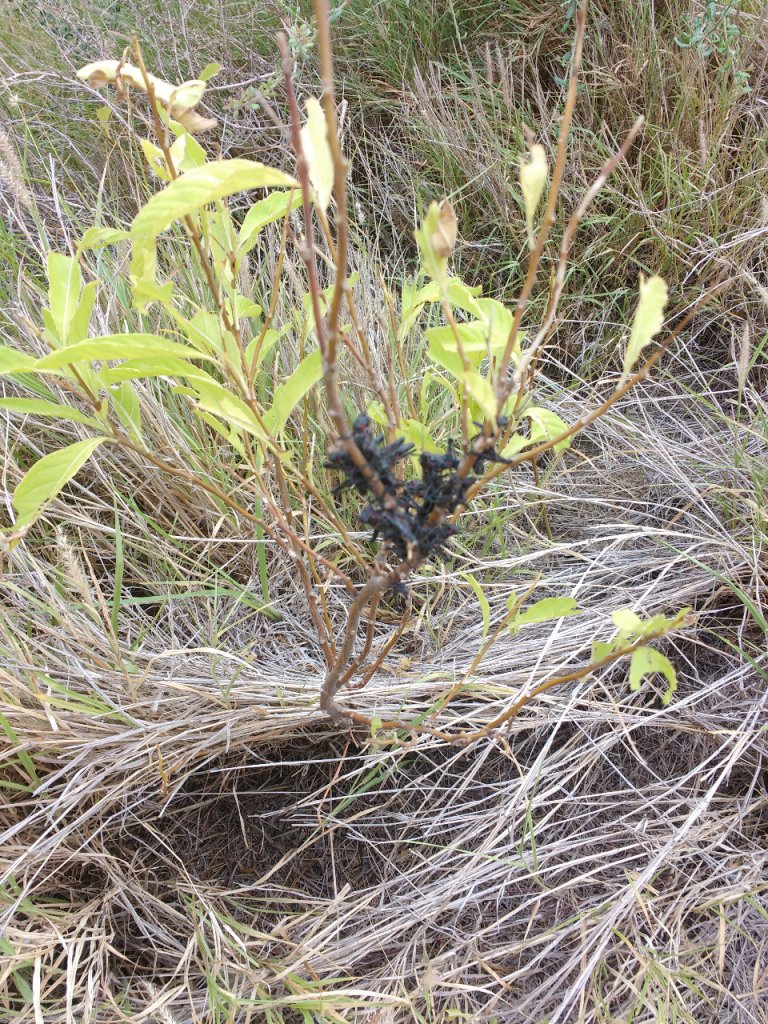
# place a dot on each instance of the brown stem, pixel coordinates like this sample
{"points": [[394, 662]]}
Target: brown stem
{"points": [[549, 213], [511, 712], [188, 221], [327, 350], [550, 316], [616, 395], [374, 588], [360, 658], [373, 668]]}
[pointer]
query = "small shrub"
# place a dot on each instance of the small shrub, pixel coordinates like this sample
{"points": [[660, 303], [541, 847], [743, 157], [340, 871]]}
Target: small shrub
{"points": [[412, 461]]}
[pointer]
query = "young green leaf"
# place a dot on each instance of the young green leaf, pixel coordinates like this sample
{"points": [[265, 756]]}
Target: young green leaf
{"points": [[436, 238], [542, 611], [231, 434], [481, 390], [547, 425], [46, 478], [265, 211], [648, 319], [485, 607], [288, 395], [645, 662], [81, 321], [439, 339], [417, 434], [143, 272], [128, 408], [140, 369], [413, 300], [199, 187], [156, 161], [209, 71], [601, 650], [314, 140], [626, 621], [243, 307], [97, 238], [64, 283], [259, 352]]}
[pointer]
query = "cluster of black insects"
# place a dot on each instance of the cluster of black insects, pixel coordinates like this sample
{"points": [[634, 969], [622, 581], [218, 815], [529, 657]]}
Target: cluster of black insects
{"points": [[410, 516]]}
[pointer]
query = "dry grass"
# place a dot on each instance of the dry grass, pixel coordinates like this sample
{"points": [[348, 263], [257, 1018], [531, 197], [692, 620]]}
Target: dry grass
{"points": [[184, 839], [197, 839]]}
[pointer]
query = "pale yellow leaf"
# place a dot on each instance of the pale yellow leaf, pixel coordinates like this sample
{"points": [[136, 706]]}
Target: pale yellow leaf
{"points": [[314, 140], [533, 179], [444, 236], [649, 317]]}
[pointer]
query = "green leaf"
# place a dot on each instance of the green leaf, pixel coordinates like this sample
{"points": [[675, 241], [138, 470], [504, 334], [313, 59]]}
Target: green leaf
{"points": [[47, 477], [245, 307], [436, 239], [288, 395], [271, 337], [464, 296], [473, 336], [186, 153], [117, 346], [497, 323], [263, 212], [601, 650], [448, 358], [485, 607], [413, 299], [13, 361], [645, 662], [222, 242], [81, 321], [412, 302], [229, 433], [128, 407], [199, 187], [648, 319], [65, 281], [417, 434], [545, 425], [39, 407], [143, 273], [140, 369], [314, 139], [626, 621], [481, 390], [209, 71], [216, 399], [549, 425], [204, 331], [544, 610], [97, 238]]}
